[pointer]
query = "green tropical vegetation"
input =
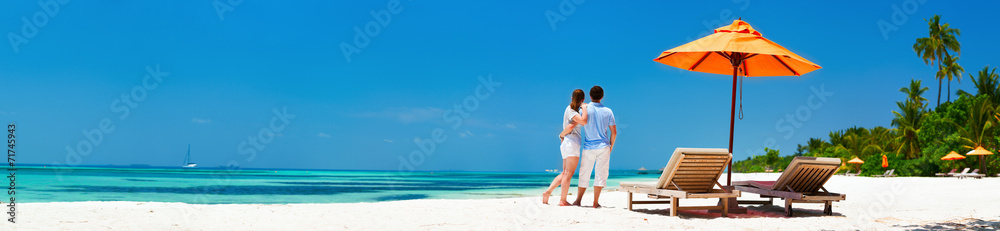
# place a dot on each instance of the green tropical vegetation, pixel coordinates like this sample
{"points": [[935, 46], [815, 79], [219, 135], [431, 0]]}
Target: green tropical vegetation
{"points": [[919, 135]]}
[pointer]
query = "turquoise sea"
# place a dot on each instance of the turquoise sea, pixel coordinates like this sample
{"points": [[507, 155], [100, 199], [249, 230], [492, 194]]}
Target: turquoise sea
{"points": [[261, 186]]}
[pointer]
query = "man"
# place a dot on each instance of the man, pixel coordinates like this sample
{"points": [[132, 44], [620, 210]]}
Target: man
{"points": [[598, 141]]}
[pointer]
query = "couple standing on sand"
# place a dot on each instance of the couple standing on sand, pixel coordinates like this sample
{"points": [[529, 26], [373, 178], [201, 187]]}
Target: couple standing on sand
{"points": [[597, 141]]}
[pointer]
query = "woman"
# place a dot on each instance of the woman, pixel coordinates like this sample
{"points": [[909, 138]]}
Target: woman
{"points": [[575, 114]]}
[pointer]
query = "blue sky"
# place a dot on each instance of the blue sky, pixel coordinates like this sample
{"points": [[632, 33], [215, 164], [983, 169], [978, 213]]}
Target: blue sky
{"points": [[224, 74]]}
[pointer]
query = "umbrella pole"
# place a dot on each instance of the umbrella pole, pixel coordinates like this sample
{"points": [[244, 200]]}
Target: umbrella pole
{"points": [[982, 164], [732, 123]]}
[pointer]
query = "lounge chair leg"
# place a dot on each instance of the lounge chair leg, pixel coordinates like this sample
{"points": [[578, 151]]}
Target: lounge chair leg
{"points": [[673, 206], [725, 207], [788, 207], [630, 201], [828, 208]]}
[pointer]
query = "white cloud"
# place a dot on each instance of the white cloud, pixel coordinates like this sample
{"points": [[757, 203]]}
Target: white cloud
{"points": [[387, 140], [324, 135], [511, 126], [466, 134], [201, 121]]}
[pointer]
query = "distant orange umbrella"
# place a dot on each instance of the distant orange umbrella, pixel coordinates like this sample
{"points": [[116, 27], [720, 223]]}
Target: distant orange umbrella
{"points": [[856, 161], [982, 153], [885, 161], [740, 50], [953, 156]]}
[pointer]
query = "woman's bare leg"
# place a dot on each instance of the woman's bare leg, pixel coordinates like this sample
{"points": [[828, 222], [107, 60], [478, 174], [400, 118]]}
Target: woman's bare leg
{"points": [[569, 167], [547, 193]]}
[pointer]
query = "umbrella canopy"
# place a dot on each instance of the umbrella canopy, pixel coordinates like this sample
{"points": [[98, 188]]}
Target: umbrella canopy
{"points": [[856, 161], [979, 151], [885, 161], [982, 153], [737, 43], [953, 156], [737, 49]]}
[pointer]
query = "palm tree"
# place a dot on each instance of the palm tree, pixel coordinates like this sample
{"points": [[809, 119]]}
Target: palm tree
{"points": [[838, 142], [879, 140], [933, 48], [800, 150], [907, 122], [979, 126], [815, 146], [950, 70], [854, 141], [914, 92], [988, 83]]}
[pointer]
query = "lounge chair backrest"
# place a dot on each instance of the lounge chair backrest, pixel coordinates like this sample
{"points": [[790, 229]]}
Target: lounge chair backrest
{"points": [[887, 172], [694, 170], [806, 174], [975, 171], [965, 171], [953, 170], [891, 171]]}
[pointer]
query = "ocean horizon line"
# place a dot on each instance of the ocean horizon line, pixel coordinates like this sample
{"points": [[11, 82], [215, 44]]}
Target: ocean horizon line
{"points": [[223, 168]]}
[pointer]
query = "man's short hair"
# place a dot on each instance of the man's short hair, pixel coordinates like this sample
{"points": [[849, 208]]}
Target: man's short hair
{"points": [[596, 93]]}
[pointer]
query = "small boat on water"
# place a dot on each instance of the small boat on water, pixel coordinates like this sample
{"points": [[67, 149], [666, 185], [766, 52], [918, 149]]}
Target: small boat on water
{"points": [[643, 171], [187, 160]]}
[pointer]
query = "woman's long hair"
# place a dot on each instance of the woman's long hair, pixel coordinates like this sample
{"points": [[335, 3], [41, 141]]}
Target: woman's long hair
{"points": [[576, 100]]}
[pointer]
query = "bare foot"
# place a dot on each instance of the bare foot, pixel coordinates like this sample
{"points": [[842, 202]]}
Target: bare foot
{"points": [[597, 206], [576, 203], [545, 198], [564, 203]]}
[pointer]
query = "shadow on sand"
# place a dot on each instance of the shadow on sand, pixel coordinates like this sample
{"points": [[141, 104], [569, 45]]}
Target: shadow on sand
{"points": [[752, 212], [963, 224]]}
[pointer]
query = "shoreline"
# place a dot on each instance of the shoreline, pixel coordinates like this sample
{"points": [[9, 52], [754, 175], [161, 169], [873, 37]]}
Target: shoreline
{"points": [[872, 204]]}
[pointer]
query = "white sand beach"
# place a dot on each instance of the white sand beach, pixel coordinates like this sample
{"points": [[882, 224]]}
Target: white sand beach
{"points": [[872, 204]]}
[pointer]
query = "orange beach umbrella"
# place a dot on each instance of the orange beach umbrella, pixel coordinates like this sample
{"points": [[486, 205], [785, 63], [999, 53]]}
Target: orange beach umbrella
{"points": [[736, 49], [885, 161], [982, 153], [856, 161], [953, 156], [979, 151]]}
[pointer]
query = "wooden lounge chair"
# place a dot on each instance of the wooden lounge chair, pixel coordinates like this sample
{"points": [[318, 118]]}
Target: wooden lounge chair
{"points": [[887, 174], [973, 174], [691, 173], [947, 174], [800, 183]]}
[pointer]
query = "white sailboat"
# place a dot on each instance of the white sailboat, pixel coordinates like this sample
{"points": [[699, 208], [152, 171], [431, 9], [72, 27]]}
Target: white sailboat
{"points": [[187, 160]]}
